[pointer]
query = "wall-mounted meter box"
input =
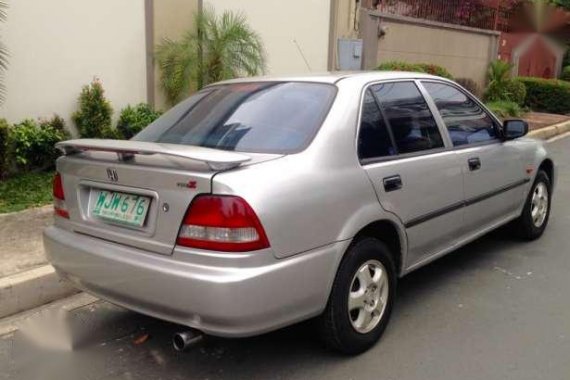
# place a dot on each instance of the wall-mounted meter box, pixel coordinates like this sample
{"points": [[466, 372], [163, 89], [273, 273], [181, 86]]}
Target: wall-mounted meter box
{"points": [[349, 54]]}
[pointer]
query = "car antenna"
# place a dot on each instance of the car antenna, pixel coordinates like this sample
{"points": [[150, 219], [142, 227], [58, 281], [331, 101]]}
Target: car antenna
{"points": [[302, 55]]}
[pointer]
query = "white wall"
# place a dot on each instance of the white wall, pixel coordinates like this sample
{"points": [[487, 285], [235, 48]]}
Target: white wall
{"points": [[57, 46], [279, 22]]}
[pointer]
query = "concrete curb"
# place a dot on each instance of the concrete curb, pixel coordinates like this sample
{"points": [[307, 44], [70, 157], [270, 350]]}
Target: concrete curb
{"points": [[30, 289], [13, 323], [552, 131]]}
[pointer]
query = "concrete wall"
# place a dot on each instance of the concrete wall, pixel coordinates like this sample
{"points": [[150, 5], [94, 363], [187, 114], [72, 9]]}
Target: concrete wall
{"points": [[170, 19], [58, 46], [465, 52], [280, 23]]}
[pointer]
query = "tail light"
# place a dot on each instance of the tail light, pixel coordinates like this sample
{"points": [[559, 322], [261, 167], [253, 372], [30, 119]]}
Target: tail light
{"points": [[222, 223], [59, 197]]}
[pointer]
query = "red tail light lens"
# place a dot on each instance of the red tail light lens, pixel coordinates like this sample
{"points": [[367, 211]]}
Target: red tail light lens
{"points": [[59, 197], [222, 223]]}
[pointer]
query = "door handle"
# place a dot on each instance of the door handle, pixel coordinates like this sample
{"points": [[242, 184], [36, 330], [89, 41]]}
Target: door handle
{"points": [[474, 164], [392, 183]]}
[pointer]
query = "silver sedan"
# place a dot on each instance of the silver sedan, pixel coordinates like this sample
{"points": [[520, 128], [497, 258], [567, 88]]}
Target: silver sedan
{"points": [[258, 203]]}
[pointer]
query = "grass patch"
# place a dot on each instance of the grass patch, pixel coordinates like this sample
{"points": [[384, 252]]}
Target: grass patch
{"points": [[25, 190]]}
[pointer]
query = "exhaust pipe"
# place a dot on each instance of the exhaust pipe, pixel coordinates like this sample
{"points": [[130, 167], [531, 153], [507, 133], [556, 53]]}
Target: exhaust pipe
{"points": [[185, 340]]}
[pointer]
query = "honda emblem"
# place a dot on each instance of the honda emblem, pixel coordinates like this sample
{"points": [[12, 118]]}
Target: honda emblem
{"points": [[112, 175]]}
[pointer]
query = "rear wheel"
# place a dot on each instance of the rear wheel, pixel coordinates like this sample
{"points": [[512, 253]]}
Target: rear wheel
{"points": [[361, 299], [534, 218]]}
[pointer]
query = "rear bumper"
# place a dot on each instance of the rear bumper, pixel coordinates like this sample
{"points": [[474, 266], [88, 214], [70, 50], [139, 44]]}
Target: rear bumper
{"points": [[240, 298]]}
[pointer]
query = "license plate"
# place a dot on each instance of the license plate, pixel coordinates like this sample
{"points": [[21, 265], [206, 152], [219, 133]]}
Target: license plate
{"points": [[122, 208]]}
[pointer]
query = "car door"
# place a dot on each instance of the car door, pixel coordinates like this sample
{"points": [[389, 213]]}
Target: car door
{"points": [[493, 169], [403, 151]]}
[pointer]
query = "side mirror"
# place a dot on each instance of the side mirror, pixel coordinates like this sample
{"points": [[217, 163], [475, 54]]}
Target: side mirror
{"points": [[513, 129]]}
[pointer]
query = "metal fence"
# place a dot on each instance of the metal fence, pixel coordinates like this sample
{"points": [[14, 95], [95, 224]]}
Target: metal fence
{"points": [[458, 12]]}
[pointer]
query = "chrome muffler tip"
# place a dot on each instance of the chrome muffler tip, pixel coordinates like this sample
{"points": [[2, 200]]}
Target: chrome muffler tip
{"points": [[183, 341]]}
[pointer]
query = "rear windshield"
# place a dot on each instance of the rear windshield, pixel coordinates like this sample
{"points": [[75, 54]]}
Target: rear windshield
{"points": [[269, 117]]}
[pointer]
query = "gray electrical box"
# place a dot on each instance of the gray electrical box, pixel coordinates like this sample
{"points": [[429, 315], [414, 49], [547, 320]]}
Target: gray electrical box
{"points": [[349, 54]]}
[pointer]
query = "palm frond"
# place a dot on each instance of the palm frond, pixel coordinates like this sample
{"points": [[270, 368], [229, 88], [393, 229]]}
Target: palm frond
{"points": [[3, 7], [499, 71], [3, 57], [177, 63], [220, 47], [3, 54]]}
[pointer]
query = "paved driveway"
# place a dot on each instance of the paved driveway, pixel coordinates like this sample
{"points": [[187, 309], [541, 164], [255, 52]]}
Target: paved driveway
{"points": [[496, 309]]}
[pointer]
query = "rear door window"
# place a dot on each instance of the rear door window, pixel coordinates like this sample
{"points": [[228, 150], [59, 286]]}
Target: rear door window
{"points": [[466, 121], [409, 119], [374, 138], [266, 117]]}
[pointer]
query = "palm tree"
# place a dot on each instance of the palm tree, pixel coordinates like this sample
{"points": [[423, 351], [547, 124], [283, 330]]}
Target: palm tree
{"points": [[499, 72], [3, 54], [220, 47]]}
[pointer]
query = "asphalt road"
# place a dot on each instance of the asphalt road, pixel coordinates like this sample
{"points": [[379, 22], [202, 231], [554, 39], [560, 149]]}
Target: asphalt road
{"points": [[496, 309]]}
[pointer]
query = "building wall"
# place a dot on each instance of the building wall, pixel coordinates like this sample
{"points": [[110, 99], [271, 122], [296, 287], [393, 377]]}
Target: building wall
{"points": [[58, 46], [280, 23], [465, 52]]}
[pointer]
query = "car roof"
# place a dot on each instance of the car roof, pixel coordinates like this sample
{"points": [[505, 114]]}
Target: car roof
{"points": [[335, 77]]}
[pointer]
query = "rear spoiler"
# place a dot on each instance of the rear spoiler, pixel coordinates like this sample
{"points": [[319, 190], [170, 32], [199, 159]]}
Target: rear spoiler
{"points": [[125, 149]]}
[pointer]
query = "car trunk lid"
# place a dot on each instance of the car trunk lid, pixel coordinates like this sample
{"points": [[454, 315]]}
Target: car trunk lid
{"points": [[107, 181]]}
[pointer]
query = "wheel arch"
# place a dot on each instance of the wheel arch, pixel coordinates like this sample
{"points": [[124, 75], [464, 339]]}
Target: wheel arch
{"points": [[390, 234], [547, 166]]}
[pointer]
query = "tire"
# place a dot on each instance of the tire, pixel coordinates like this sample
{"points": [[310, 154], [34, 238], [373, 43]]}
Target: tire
{"points": [[528, 226], [339, 328]]}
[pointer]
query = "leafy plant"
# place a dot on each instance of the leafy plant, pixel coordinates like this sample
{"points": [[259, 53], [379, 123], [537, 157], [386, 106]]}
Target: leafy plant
{"points": [[565, 73], [499, 71], [221, 47], [505, 109], [432, 69], [426, 68], [562, 3], [516, 91], [501, 87], [134, 119], [5, 162], [94, 116], [57, 123], [33, 145], [470, 85], [547, 95], [3, 54]]}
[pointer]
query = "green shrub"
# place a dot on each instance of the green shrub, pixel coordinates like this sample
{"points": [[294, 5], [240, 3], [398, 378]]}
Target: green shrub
{"points": [[33, 145], [505, 109], [501, 87], [510, 90], [57, 123], [5, 156], [495, 92], [470, 85], [499, 71], [111, 133], [426, 68], [93, 118], [516, 91], [547, 95], [134, 119], [565, 74], [436, 70]]}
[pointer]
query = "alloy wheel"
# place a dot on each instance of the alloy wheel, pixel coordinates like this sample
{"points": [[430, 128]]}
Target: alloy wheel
{"points": [[368, 296]]}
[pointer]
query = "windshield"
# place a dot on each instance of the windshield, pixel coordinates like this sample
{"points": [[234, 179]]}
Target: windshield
{"points": [[269, 117]]}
